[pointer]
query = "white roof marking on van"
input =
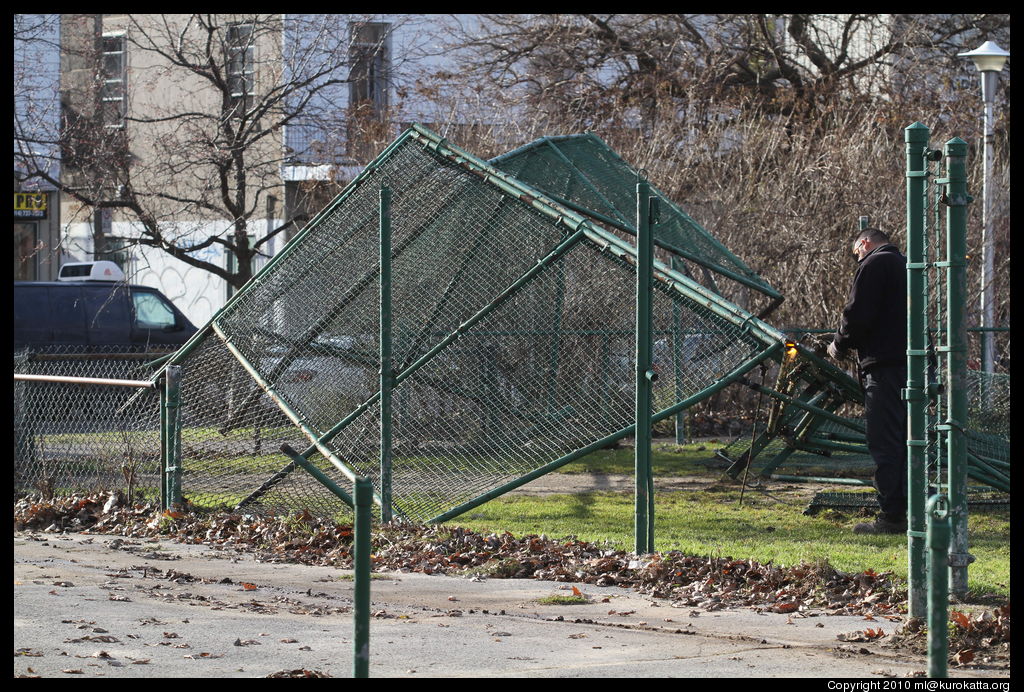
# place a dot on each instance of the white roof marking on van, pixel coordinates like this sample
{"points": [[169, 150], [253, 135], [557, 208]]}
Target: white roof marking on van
{"points": [[100, 270]]}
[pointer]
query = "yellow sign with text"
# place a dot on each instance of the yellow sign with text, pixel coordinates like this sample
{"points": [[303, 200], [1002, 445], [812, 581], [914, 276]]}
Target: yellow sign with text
{"points": [[30, 205]]}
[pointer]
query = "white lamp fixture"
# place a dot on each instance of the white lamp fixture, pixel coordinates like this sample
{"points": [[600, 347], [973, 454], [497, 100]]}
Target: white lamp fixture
{"points": [[989, 59]]}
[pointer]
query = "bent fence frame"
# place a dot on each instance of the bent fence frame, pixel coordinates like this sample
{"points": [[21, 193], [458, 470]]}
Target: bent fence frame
{"points": [[747, 339]]}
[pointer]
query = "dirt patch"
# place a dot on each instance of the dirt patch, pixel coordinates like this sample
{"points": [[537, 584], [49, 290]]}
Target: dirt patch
{"points": [[572, 483]]}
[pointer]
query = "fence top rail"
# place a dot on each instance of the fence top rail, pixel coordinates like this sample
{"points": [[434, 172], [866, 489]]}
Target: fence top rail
{"points": [[141, 384]]}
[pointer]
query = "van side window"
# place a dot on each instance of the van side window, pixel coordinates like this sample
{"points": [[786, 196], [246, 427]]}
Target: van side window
{"points": [[151, 311]]}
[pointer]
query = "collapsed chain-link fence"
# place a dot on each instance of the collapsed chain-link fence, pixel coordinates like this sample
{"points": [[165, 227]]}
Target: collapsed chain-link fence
{"points": [[513, 340], [78, 438], [513, 348], [836, 450], [583, 172]]}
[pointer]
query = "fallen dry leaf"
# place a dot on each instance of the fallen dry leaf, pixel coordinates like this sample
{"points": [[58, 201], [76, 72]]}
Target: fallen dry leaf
{"points": [[698, 584], [960, 619], [962, 658]]}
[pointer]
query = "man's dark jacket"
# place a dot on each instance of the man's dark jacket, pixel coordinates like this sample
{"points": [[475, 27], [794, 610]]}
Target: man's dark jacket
{"points": [[875, 317]]}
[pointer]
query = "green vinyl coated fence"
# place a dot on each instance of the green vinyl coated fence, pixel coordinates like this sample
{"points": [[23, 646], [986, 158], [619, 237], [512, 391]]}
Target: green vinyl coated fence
{"points": [[508, 340], [511, 342]]}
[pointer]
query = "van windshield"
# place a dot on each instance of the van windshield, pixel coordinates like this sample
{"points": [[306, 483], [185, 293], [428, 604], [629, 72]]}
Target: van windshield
{"points": [[151, 311]]}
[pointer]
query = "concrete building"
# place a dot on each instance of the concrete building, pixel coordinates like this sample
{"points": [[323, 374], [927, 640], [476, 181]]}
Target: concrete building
{"points": [[186, 133]]}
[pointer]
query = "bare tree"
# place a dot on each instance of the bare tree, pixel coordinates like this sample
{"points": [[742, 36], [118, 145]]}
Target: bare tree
{"points": [[192, 147], [776, 132]]}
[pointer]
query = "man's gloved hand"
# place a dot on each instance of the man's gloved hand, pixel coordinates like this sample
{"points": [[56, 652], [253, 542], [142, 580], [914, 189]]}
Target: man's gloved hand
{"points": [[833, 351]]}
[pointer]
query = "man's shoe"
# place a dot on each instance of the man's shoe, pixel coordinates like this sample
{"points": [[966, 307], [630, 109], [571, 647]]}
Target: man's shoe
{"points": [[881, 525]]}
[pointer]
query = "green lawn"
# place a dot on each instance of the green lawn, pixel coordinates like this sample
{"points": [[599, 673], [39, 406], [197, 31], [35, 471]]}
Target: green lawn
{"points": [[702, 523], [768, 526]]}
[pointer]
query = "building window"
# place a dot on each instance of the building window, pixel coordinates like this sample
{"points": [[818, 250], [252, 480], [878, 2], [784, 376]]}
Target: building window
{"points": [[113, 76], [240, 67], [370, 60]]}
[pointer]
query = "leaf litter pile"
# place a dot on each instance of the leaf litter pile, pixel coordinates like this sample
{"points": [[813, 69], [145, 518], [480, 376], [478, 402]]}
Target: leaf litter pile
{"points": [[698, 582]]}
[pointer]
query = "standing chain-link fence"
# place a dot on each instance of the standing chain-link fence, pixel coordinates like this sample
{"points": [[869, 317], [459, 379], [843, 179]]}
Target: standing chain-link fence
{"points": [[72, 438]]}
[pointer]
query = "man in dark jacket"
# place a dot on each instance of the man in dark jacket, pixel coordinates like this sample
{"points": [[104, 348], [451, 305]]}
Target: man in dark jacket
{"points": [[874, 323]]}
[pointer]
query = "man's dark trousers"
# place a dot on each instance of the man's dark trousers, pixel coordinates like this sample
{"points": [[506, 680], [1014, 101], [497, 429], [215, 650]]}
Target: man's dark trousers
{"points": [[886, 415]]}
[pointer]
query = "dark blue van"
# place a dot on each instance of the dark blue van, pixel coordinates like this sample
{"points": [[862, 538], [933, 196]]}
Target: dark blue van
{"points": [[91, 307]]}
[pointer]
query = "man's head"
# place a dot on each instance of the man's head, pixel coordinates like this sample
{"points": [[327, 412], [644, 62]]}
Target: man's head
{"points": [[867, 240]]}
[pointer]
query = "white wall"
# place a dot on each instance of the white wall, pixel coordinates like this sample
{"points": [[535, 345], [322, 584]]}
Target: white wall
{"points": [[196, 292]]}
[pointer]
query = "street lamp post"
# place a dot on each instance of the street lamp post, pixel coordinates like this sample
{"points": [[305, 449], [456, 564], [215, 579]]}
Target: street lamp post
{"points": [[989, 59]]}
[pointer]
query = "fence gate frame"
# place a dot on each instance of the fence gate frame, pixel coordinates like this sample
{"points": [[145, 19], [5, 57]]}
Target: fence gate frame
{"points": [[950, 420]]}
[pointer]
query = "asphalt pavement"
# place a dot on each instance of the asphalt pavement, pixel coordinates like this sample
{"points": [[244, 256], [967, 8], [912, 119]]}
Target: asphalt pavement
{"points": [[88, 606]]}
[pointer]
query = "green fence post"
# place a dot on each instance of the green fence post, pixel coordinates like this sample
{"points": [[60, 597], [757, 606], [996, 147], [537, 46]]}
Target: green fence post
{"points": [[938, 586], [172, 434], [361, 567], [325, 480], [956, 358], [644, 520], [162, 404], [386, 371], [915, 394]]}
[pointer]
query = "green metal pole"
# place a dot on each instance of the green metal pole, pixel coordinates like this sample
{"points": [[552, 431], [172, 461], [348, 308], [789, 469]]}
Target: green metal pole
{"points": [[938, 585], [361, 567], [644, 520], [956, 360], [316, 473], [915, 394], [172, 432], [386, 371], [164, 437], [794, 401]]}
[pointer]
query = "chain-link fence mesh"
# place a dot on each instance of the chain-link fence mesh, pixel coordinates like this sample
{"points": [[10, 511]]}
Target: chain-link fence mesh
{"points": [[513, 328], [79, 438], [513, 345], [988, 428], [584, 170]]}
